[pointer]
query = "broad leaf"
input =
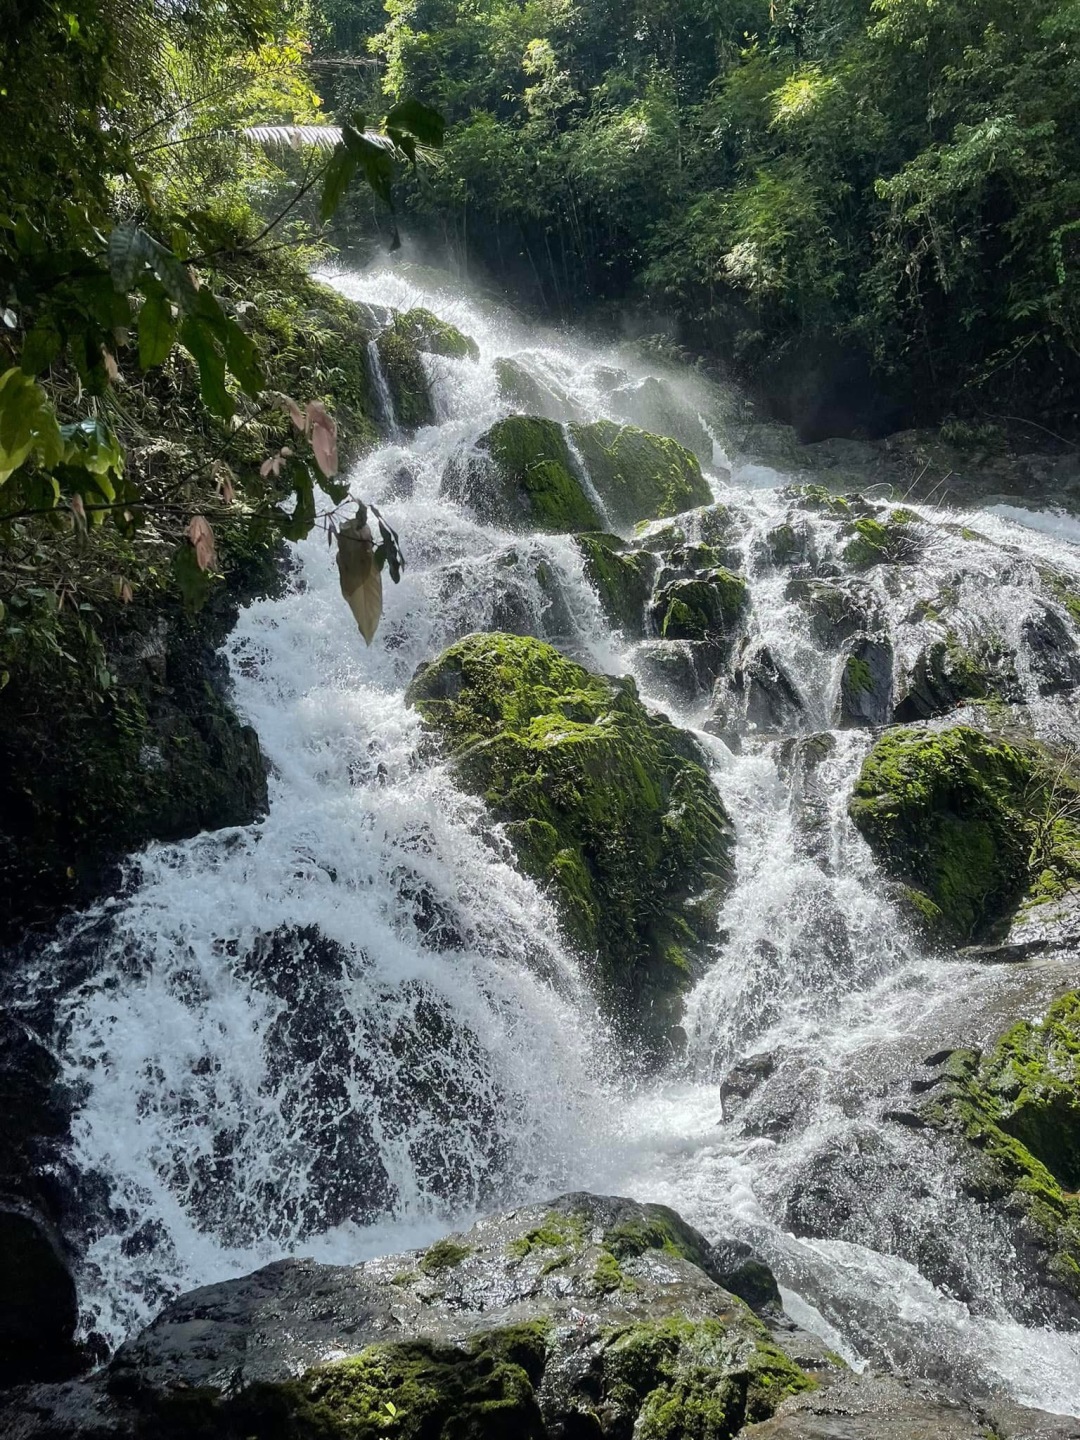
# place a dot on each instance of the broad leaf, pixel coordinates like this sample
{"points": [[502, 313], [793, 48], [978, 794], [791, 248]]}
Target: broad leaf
{"points": [[211, 363], [157, 332], [361, 582], [130, 251], [428, 126], [27, 424], [339, 172]]}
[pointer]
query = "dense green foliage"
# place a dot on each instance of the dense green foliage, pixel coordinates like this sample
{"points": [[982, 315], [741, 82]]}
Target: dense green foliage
{"points": [[897, 178]]}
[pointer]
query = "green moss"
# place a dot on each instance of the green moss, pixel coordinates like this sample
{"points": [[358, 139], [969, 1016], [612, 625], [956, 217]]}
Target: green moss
{"points": [[1019, 1105], [485, 1389], [665, 1231], [818, 498], [608, 1276], [857, 676], [406, 379], [558, 1231], [970, 822], [1063, 592], [708, 608], [697, 1379], [640, 476], [622, 579], [531, 481], [443, 1255], [877, 542], [604, 802], [433, 336], [782, 544]]}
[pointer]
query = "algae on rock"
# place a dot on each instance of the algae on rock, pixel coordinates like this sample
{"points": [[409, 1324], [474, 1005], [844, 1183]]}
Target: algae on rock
{"points": [[605, 802], [640, 476], [622, 578], [521, 475], [977, 824], [1018, 1105]]}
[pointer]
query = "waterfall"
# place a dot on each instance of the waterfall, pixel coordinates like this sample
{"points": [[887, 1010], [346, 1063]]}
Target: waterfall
{"points": [[354, 1025], [384, 401]]}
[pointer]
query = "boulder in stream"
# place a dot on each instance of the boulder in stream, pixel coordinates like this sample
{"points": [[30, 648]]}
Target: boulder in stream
{"points": [[521, 475], [605, 802], [640, 476], [976, 826], [622, 578]]}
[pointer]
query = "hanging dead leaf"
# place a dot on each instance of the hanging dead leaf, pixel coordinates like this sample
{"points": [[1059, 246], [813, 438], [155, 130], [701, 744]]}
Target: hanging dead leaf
{"points": [[126, 593], [78, 510], [202, 539], [289, 405], [322, 431], [111, 367], [226, 482], [361, 582]]}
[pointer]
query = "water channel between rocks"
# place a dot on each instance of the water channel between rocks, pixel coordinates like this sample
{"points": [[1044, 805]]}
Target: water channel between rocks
{"points": [[361, 995]]}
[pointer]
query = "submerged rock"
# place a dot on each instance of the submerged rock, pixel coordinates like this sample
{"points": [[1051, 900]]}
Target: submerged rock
{"points": [[891, 540], [975, 825], [521, 475], [605, 802], [583, 1316], [637, 475]]}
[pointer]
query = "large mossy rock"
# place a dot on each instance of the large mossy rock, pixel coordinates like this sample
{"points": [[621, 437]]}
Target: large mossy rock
{"points": [[709, 607], [433, 336], [1018, 1108], [640, 476], [605, 802], [977, 826], [521, 475], [587, 1316], [406, 379]]}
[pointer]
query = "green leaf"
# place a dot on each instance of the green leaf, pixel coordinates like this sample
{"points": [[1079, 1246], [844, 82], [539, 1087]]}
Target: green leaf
{"points": [[198, 338], [194, 583], [40, 348], [339, 172], [157, 333], [130, 251], [27, 424], [426, 124]]}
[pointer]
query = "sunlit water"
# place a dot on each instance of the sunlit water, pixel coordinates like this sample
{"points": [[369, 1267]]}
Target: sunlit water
{"points": [[251, 1091]]}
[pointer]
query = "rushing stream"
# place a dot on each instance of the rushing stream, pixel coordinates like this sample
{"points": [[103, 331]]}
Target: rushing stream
{"points": [[423, 1040]]}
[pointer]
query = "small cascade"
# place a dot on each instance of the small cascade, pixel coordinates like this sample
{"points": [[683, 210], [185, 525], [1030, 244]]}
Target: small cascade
{"points": [[384, 401], [348, 1028]]}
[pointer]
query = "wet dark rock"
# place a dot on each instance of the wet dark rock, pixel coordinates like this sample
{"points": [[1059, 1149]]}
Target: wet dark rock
{"points": [[622, 578], [678, 671], [949, 673], [866, 682], [836, 611], [1052, 651], [771, 699], [37, 1293], [709, 608], [800, 760], [587, 1315], [877, 1407], [789, 545], [744, 1077]]}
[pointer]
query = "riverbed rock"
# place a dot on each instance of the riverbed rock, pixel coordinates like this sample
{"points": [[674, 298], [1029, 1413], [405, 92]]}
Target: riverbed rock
{"points": [[530, 393], [866, 683], [887, 538], [1015, 1111], [433, 336], [38, 1309], [709, 607], [521, 475], [606, 803], [950, 672], [587, 1315], [622, 578], [836, 610], [639, 476], [399, 352], [977, 827]]}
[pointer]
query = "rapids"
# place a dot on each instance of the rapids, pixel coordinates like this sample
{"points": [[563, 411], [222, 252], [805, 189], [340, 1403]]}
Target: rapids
{"points": [[436, 1040]]}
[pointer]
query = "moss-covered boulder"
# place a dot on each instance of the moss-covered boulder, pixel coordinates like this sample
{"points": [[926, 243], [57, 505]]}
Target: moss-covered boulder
{"points": [[866, 682], [640, 476], [950, 672], [405, 376], [709, 607], [587, 1315], [622, 578], [975, 825], [521, 475], [1018, 1107], [433, 336], [604, 802]]}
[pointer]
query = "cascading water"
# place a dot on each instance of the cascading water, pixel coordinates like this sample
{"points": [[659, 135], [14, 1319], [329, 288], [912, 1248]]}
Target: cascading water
{"points": [[353, 1025]]}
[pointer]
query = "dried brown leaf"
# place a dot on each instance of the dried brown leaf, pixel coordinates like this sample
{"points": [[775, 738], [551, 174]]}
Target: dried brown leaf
{"points": [[361, 580], [201, 535]]}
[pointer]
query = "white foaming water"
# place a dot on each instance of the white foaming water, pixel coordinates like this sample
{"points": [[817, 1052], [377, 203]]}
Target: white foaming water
{"points": [[353, 1025]]}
